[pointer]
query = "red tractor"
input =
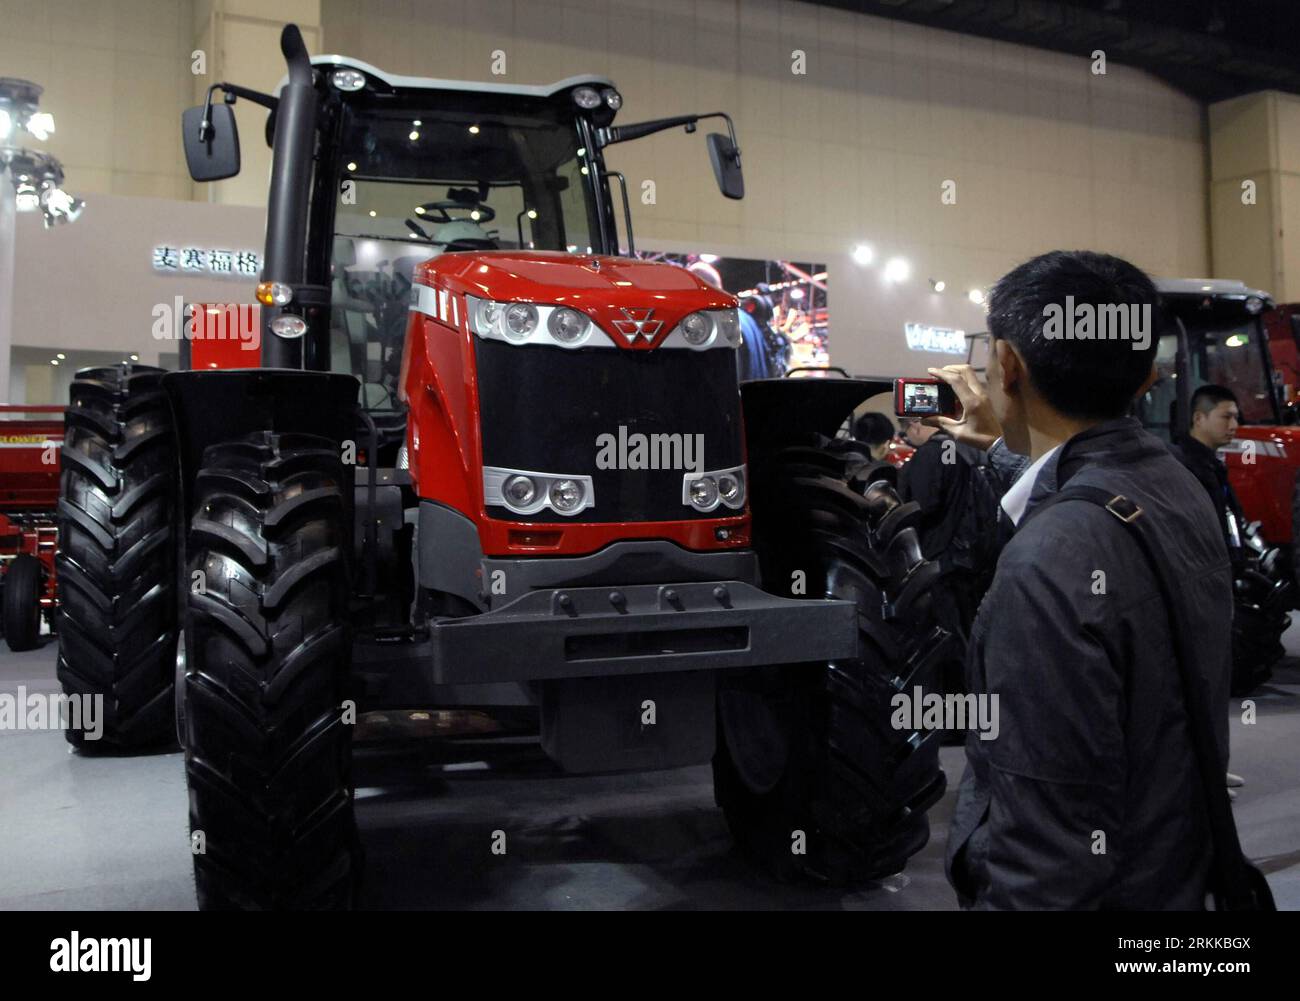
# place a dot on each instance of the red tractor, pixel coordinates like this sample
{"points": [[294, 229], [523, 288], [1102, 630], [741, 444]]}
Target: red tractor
{"points": [[29, 472], [479, 459]]}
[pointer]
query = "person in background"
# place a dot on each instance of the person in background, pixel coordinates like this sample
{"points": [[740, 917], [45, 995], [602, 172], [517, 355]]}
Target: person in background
{"points": [[1090, 796], [958, 526], [875, 430], [1215, 418]]}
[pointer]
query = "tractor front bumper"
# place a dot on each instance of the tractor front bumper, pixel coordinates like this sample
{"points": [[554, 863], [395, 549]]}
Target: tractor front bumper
{"points": [[589, 632]]}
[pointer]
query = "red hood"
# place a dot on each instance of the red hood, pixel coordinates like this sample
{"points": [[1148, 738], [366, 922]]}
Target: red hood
{"points": [[603, 287]]}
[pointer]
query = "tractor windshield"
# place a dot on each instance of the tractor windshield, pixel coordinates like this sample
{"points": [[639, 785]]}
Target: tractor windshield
{"points": [[417, 183], [1231, 354]]}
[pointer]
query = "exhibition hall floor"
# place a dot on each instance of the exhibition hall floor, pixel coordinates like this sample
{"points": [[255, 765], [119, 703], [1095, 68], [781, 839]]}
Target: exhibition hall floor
{"points": [[111, 833]]}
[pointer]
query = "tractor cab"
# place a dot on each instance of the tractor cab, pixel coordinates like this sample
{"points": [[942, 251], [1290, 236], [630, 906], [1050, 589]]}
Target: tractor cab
{"points": [[1210, 331], [406, 169]]}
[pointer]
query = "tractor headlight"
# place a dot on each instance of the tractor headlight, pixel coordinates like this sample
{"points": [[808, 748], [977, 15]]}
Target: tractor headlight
{"points": [[519, 491], [586, 98], [487, 314], [697, 329], [705, 329], [518, 321], [566, 495], [348, 79], [705, 491], [527, 323], [729, 326], [289, 326], [568, 326]]}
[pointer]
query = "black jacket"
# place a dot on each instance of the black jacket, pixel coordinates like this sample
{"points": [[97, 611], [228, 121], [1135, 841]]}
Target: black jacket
{"points": [[939, 487], [1093, 749], [1212, 475]]}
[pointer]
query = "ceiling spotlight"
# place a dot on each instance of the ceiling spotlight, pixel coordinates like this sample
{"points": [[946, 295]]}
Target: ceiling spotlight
{"points": [[976, 295], [414, 135], [897, 270], [133, 357], [938, 284], [372, 213], [60, 356], [352, 165], [419, 210], [417, 123], [40, 124], [863, 255], [54, 361], [473, 130], [532, 213]]}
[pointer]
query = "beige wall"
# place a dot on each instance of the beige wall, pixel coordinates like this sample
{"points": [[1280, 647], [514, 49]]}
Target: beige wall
{"points": [[1256, 139], [116, 75], [1044, 153]]}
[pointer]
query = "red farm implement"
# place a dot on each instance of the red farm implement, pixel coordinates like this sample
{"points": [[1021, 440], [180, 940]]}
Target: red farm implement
{"points": [[30, 440]]}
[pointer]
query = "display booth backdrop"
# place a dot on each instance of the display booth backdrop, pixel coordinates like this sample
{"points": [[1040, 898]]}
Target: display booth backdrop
{"points": [[94, 287]]}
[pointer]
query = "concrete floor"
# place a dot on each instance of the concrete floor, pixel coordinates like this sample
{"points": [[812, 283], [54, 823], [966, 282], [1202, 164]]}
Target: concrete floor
{"points": [[111, 833]]}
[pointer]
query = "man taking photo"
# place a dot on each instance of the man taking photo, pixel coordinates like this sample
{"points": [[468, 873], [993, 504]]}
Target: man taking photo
{"points": [[1090, 796]]}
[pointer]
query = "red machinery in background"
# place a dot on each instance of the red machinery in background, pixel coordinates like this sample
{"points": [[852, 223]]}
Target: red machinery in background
{"points": [[30, 440]]}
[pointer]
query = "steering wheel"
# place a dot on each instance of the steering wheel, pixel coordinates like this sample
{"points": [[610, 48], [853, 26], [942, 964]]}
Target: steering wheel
{"points": [[443, 210]]}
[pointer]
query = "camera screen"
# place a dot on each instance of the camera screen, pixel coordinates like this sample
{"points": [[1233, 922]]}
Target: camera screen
{"points": [[921, 398]]}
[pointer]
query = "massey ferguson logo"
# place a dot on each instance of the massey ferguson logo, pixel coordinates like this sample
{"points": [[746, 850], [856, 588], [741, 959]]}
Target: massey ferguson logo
{"points": [[638, 323]]}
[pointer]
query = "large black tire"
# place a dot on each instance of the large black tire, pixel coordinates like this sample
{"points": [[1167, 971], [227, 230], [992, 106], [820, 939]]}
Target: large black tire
{"points": [[809, 748], [117, 553], [268, 650], [23, 583]]}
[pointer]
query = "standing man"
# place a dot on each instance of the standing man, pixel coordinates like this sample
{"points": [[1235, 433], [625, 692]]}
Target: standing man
{"points": [[1215, 418], [1090, 796]]}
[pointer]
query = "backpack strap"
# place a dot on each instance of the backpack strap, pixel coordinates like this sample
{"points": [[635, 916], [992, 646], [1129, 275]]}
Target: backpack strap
{"points": [[1235, 883]]}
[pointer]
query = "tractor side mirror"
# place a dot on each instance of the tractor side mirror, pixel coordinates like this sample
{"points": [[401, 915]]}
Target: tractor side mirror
{"points": [[211, 146], [726, 165]]}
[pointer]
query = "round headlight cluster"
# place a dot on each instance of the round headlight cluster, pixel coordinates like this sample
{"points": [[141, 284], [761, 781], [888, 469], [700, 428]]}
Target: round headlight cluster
{"points": [[568, 326], [519, 321], [706, 491], [613, 99]]}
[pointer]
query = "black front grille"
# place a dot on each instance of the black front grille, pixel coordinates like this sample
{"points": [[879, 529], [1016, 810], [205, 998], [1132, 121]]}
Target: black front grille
{"points": [[544, 408]]}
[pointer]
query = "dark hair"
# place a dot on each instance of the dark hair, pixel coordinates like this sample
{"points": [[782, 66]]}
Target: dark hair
{"points": [[1210, 396], [873, 428], [1080, 378]]}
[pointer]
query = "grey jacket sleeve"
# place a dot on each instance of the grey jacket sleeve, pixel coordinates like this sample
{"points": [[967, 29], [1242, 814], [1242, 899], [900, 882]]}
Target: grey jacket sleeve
{"points": [[1006, 464], [1057, 766]]}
